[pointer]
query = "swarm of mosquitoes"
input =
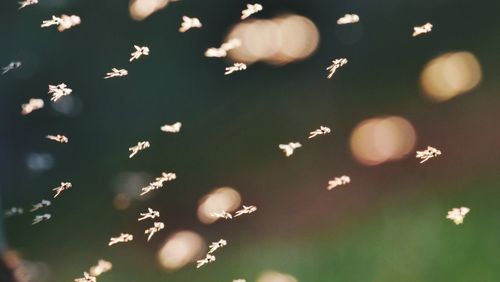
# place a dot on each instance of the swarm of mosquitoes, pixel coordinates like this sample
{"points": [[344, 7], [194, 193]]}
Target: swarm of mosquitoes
{"points": [[65, 22]]}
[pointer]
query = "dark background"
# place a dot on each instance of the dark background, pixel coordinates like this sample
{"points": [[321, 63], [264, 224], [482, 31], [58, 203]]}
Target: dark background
{"points": [[387, 225]]}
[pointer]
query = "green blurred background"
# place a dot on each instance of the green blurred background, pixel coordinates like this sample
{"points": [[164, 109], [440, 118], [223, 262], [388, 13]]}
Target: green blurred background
{"points": [[387, 225]]}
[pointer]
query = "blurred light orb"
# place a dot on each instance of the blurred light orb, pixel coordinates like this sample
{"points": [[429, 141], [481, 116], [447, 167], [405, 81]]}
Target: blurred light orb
{"points": [[378, 140], [221, 199], [27, 271], [180, 249], [127, 187], [449, 75], [278, 41], [39, 161], [121, 201], [275, 276], [141, 9], [70, 106], [11, 259]]}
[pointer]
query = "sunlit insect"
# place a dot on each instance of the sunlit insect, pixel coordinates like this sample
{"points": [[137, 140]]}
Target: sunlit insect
{"points": [[42, 204], [157, 226], [422, 29], [158, 182], [235, 67], [250, 10], [188, 23], [123, 238], [40, 218], [337, 181], [11, 66], [172, 128], [290, 148], [116, 73], [150, 214], [216, 245], [61, 188], [142, 145], [86, 278], [58, 138], [26, 3], [245, 210], [139, 51], [59, 91], [322, 130], [208, 259], [457, 215], [348, 19], [427, 154], [337, 63]]}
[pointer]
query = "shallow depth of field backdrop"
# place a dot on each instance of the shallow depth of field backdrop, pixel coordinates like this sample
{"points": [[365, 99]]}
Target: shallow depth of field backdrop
{"points": [[388, 224]]}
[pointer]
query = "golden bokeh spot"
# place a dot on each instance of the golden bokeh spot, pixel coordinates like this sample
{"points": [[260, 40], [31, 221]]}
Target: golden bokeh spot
{"points": [[221, 199], [450, 75], [275, 276], [378, 140], [141, 9], [121, 201], [180, 249], [281, 40]]}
